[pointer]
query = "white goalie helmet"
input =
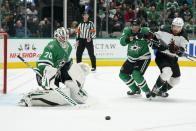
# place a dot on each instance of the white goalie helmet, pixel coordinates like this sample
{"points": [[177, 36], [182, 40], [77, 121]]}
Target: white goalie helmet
{"points": [[61, 35], [178, 22]]}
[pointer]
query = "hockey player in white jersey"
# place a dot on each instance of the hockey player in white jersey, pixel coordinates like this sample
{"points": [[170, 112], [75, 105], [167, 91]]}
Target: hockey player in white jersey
{"points": [[54, 67], [173, 42]]}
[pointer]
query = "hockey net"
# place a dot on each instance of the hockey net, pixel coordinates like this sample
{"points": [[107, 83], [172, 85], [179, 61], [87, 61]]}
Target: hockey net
{"points": [[3, 62]]}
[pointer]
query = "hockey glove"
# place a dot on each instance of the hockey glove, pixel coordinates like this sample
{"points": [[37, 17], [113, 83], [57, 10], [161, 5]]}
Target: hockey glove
{"points": [[139, 35], [181, 51], [65, 65], [173, 48], [156, 44]]}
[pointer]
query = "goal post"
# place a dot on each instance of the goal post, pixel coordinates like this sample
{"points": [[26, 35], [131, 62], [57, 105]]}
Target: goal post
{"points": [[3, 62]]}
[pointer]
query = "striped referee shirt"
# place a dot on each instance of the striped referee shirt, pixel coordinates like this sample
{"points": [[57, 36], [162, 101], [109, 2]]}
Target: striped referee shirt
{"points": [[86, 30]]}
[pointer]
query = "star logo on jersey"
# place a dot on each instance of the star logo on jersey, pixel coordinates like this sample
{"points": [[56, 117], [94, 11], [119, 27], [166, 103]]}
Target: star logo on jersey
{"points": [[135, 47]]}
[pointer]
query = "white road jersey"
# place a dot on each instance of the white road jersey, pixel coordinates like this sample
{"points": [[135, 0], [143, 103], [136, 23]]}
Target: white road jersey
{"points": [[166, 38]]}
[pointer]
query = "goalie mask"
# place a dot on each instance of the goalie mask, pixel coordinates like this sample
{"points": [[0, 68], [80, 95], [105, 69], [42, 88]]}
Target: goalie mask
{"points": [[177, 25], [61, 35]]}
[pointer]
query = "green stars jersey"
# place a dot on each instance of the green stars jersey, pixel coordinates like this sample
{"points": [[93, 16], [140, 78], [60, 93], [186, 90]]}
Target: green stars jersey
{"points": [[52, 55], [137, 48]]}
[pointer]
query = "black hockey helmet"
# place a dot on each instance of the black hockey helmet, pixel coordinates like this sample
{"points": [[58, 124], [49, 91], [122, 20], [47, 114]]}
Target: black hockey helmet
{"points": [[136, 22]]}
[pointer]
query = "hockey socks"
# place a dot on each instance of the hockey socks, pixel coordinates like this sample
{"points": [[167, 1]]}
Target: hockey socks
{"points": [[158, 85], [166, 87], [129, 81], [141, 82], [160, 88]]}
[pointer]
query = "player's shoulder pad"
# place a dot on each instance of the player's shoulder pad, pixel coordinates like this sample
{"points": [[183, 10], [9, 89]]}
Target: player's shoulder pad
{"points": [[144, 30], [127, 30], [51, 44], [184, 34], [166, 28]]}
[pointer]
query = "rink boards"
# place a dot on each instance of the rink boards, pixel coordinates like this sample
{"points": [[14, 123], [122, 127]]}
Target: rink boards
{"points": [[109, 52]]}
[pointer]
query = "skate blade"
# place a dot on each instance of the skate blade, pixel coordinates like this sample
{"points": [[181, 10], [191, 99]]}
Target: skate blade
{"points": [[23, 103], [135, 96]]}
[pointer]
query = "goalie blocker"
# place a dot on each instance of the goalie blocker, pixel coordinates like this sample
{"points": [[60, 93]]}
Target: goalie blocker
{"points": [[72, 75]]}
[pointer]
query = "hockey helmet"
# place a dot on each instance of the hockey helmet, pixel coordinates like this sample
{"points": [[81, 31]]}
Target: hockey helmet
{"points": [[178, 22], [61, 35], [136, 22]]}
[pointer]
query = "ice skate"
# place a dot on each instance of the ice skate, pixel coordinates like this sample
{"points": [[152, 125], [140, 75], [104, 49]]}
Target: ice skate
{"points": [[25, 101], [131, 93], [148, 95]]}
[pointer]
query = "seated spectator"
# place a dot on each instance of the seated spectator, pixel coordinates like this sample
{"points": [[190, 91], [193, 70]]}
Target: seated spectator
{"points": [[142, 15], [56, 25], [120, 13], [172, 4], [2, 30], [5, 11], [33, 26], [73, 28], [45, 28], [32, 12], [186, 13], [20, 29], [171, 14], [5, 8], [160, 5], [153, 18], [129, 16], [116, 26], [8, 25]]}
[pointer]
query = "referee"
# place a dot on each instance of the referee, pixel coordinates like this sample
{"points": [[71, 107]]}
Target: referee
{"points": [[84, 39]]}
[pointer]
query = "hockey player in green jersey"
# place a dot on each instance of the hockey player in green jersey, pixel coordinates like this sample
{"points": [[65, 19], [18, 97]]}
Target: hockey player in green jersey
{"points": [[138, 58], [54, 67]]}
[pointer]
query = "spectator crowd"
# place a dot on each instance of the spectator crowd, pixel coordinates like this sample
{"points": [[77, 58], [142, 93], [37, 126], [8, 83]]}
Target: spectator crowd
{"points": [[112, 16]]}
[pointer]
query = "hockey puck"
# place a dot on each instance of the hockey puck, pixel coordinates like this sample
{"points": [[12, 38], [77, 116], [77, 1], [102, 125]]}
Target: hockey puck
{"points": [[107, 117]]}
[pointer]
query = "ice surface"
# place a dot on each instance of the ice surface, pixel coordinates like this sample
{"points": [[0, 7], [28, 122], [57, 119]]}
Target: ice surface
{"points": [[107, 97]]}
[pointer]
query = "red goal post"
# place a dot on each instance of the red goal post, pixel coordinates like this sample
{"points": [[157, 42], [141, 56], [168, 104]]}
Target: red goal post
{"points": [[3, 61]]}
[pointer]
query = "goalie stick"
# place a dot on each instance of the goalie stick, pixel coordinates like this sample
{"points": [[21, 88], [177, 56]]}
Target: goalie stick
{"points": [[58, 90]]}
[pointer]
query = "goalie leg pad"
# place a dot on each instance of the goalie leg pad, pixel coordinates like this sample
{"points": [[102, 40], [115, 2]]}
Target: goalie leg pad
{"points": [[44, 98], [48, 79], [78, 73], [76, 93], [85, 67]]}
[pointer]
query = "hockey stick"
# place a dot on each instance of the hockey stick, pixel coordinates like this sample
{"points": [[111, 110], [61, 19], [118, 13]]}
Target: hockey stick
{"points": [[188, 55], [58, 90], [28, 65]]}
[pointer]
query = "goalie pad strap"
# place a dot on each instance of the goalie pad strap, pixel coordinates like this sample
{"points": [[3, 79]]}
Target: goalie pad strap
{"points": [[46, 101]]}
